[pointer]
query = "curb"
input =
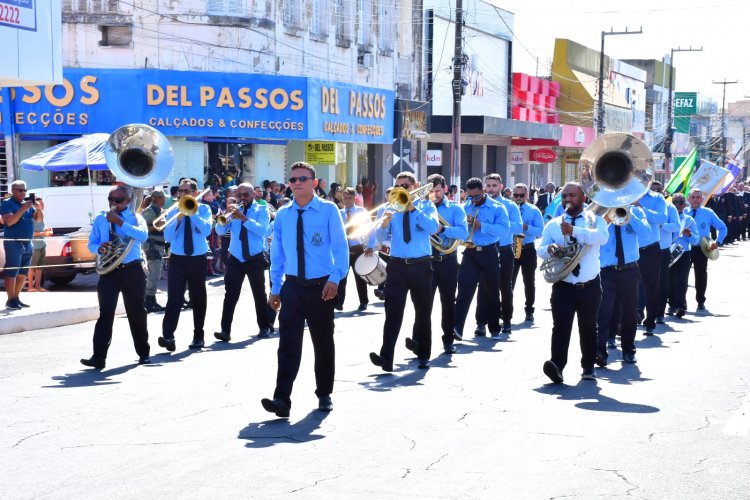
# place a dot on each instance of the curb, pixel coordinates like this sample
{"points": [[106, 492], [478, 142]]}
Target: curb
{"points": [[51, 319]]}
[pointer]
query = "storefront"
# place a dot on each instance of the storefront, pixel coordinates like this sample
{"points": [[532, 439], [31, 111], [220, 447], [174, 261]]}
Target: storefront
{"points": [[237, 125]]}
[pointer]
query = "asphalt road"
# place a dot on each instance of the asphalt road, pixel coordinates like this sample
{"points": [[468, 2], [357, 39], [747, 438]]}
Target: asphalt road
{"points": [[484, 423]]}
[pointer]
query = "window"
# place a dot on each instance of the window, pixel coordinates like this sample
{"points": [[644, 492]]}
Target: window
{"points": [[364, 23], [292, 13], [236, 8], [386, 18], [319, 17], [116, 36], [342, 18]]}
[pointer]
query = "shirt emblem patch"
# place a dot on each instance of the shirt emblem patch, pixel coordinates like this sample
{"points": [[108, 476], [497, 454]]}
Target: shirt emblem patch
{"points": [[316, 240]]}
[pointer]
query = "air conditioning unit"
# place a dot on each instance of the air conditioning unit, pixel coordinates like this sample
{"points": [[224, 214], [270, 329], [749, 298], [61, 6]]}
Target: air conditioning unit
{"points": [[365, 60]]}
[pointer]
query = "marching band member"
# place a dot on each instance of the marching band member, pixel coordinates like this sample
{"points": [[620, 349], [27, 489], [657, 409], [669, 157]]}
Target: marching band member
{"points": [[580, 292], [248, 226], [409, 270], [533, 224], [361, 243], [309, 257], [655, 207], [666, 235], [705, 219], [187, 267], [127, 278], [618, 259], [493, 186], [686, 237], [154, 250], [445, 266], [489, 220]]}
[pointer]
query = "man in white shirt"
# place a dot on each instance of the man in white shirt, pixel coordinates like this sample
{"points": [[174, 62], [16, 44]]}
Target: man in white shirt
{"points": [[580, 292]]}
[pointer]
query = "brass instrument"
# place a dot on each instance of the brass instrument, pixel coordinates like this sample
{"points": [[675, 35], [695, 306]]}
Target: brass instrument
{"points": [[469, 243], [518, 245], [443, 244], [140, 156], [399, 199], [187, 205], [228, 216]]}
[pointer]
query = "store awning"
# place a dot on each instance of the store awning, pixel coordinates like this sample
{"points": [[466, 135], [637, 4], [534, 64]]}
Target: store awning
{"points": [[490, 125]]}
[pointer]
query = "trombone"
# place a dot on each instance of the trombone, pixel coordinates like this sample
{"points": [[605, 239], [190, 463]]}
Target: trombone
{"points": [[186, 205], [399, 199]]}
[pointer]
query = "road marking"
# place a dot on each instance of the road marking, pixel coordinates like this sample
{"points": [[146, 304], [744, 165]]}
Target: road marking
{"points": [[739, 423]]}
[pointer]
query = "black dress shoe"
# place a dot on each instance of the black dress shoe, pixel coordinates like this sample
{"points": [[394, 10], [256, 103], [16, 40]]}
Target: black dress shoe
{"points": [[187, 305], [276, 406], [449, 349], [144, 360], [423, 364], [629, 358], [457, 336], [649, 331], [223, 336], [550, 369], [168, 344], [338, 307], [529, 318], [93, 362], [480, 331], [507, 327], [264, 333], [362, 307], [601, 360], [680, 313], [378, 361], [411, 344], [197, 344], [325, 403]]}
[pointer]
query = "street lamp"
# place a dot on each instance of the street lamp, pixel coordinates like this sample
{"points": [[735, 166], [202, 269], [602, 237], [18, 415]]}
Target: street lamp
{"points": [[600, 106], [669, 138]]}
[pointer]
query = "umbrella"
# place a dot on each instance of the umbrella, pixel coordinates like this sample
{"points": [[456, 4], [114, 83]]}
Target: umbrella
{"points": [[83, 152]]}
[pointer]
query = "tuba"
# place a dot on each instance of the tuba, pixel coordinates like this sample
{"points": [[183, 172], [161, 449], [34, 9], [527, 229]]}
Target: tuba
{"points": [[140, 156]]}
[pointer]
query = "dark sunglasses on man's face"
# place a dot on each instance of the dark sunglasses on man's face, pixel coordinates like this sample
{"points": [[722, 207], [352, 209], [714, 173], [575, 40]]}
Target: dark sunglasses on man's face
{"points": [[184, 191], [678, 202], [519, 195], [116, 200], [245, 195], [301, 178], [20, 190], [405, 186]]}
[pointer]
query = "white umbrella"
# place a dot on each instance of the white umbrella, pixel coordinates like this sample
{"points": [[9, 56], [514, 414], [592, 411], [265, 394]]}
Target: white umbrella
{"points": [[83, 152]]}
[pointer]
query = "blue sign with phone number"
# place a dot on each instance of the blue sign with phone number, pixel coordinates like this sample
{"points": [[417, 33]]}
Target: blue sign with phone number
{"points": [[20, 14], [181, 103]]}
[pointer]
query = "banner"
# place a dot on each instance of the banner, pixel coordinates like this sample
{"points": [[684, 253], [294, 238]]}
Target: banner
{"points": [[734, 171], [708, 178]]}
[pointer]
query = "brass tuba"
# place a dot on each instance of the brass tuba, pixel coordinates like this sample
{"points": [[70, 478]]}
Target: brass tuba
{"points": [[140, 156]]}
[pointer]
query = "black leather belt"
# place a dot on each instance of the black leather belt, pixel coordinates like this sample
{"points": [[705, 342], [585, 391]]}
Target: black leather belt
{"points": [[505, 247], [444, 257], [480, 248], [253, 258], [313, 282], [579, 285], [656, 243], [128, 265], [411, 260], [629, 265]]}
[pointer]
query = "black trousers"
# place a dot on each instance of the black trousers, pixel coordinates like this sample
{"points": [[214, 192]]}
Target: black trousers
{"points": [[185, 271], [255, 271], [402, 279], [479, 267], [299, 304], [700, 269], [664, 281], [527, 265], [621, 288], [648, 264], [445, 280], [506, 288], [354, 252], [131, 282], [678, 281], [567, 301]]}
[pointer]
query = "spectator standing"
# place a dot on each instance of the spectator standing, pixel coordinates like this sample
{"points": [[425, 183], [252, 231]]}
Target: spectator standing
{"points": [[369, 190], [155, 249], [36, 277], [17, 212]]}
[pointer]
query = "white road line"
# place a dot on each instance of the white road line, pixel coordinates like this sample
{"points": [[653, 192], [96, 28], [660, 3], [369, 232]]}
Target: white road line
{"points": [[739, 423]]}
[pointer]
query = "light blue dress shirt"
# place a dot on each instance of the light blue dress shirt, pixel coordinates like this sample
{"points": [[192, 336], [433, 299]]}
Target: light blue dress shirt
{"points": [[326, 249], [669, 228], [493, 219], [589, 229], [532, 217], [258, 220], [687, 222], [359, 216], [514, 216], [454, 214], [269, 234], [704, 219], [631, 233], [655, 207], [134, 226], [174, 232], [423, 222]]}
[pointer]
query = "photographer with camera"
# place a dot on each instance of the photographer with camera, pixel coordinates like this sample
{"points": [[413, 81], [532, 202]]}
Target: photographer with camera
{"points": [[18, 217]]}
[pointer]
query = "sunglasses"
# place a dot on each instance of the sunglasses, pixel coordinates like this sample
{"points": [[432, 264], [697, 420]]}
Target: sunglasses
{"points": [[21, 190], [244, 195], [473, 197], [184, 191], [116, 200], [405, 186], [519, 195], [301, 178]]}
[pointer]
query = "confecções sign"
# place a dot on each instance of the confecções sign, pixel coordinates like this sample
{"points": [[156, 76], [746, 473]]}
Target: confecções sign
{"points": [[183, 103]]}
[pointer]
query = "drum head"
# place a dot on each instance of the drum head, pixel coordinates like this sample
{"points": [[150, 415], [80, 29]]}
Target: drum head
{"points": [[366, 264]]}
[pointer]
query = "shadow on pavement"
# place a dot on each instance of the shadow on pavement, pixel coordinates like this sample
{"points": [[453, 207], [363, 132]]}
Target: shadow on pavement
{"points": [[355, 314], [386, 381], [89, 377], [280, 430], [482, 344], [230, 346], [589, 390]]}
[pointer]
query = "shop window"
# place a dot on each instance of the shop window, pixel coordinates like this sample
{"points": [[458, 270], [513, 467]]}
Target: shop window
{"points": [[319, 17], [116, 36], [236, 8]]}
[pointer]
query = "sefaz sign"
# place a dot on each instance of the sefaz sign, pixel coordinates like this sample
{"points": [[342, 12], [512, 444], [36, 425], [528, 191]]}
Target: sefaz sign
{"points": [[685, 103], [544, 155]]}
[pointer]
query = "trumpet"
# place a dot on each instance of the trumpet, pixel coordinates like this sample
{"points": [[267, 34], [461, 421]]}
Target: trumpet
{"points": [[187, 206], [228, 216], [399, 199]]}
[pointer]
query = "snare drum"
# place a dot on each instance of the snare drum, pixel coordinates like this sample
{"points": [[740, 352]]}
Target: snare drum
{"points": [[371, 269]]}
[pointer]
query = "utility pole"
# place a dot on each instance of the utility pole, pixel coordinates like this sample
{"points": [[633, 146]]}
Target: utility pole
{"points": [[723, 114], [670, 132], [458, 64], [600, 106]]}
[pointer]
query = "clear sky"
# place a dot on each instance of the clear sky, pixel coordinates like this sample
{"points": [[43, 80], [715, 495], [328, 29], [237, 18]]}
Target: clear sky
{"points": [[715, 25]]}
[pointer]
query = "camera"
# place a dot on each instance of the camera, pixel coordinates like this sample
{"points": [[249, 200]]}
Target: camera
{"points": [[31, 198]]}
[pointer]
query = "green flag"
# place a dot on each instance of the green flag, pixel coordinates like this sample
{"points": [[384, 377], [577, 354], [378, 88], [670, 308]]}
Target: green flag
{"points": [[680, 181]]}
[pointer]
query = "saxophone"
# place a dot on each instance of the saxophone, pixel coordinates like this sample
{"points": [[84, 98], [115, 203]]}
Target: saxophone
{"points": [[518, 245]]}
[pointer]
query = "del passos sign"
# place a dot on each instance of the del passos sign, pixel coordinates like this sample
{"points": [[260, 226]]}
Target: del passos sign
{"points": [[184, 103]]}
